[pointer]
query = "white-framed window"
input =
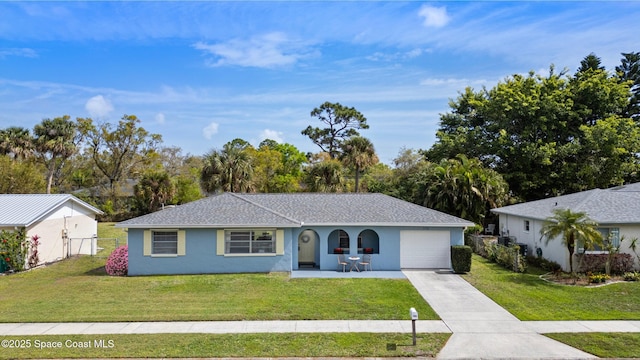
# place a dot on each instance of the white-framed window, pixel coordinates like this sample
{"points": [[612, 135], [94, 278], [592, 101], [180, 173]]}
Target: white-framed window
{"points": [[164, 242], [250, 241], [526, 226]]}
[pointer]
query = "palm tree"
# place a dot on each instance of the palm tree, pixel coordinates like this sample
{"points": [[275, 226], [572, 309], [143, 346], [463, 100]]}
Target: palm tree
{"points": [[325, 176], [573, 227], [154, 190], [227, 170], [358, 152], [16, 141], [54, 142], [463, 187]]}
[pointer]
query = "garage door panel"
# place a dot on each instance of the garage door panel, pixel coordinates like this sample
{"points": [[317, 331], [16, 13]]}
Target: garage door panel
{"points": [[425, 249]]}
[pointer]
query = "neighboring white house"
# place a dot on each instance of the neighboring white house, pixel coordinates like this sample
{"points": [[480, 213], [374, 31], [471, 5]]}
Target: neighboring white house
{"points": [[65, 224], [616, 210]]}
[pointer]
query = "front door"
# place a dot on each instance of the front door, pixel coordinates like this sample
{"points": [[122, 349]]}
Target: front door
{"points": [[307, 248]]}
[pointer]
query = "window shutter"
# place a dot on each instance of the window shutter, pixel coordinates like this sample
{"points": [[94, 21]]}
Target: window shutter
{"points": [[182, 243], [279, 242], [147, 243], [220, 242]]}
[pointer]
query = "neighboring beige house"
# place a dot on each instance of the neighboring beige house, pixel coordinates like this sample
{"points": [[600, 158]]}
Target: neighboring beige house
{"points": [[616, 210], [65, 224]]}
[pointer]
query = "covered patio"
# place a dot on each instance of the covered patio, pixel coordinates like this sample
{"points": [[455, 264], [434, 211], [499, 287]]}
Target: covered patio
{"points": [[329, 274]]}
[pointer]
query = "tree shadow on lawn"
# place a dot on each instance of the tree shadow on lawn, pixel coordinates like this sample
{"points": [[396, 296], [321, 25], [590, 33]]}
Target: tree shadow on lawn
{"points": [[99, 271]]}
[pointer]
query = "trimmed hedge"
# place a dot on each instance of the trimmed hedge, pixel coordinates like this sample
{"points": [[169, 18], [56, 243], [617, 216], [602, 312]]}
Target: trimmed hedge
{"points": [[461, 258]]}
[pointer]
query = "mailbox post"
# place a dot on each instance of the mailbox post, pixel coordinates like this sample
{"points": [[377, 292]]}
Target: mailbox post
{"points": [[414, 317]]}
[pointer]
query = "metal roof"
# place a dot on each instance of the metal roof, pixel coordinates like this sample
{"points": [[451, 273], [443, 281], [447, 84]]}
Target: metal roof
{"points": [[295, 210], [618, 205], [26, 209]]}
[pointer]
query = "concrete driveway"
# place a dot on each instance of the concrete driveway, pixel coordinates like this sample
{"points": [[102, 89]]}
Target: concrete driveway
{"points": [[481, 328]]}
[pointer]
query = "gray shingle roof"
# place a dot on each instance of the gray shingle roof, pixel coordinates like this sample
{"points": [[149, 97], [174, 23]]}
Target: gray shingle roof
{"points": [[26, 209], [295, 210], [619, 205]]}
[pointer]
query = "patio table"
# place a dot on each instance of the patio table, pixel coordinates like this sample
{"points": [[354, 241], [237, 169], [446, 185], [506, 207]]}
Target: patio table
{"points": [[354, 263]]}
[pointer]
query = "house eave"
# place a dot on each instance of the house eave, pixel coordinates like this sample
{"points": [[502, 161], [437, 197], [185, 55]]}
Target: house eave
{"points": [[218, 226], [203, 226]]}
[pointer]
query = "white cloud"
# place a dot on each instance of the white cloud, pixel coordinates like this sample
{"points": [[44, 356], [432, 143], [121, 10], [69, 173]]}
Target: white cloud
{"points": [[210, 130], [407, 55], [266, 51], [277, 136], [98, 106], [160, 119], [22, 52], [434, 16]]}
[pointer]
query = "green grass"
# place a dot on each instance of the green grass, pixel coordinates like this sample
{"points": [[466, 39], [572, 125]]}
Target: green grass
{"points": [[107, 235], [605, 345], [78, 289], [230, 345], [529, 298]]}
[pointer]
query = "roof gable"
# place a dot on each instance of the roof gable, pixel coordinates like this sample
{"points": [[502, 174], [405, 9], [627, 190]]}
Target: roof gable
{"points": [[26, 209], [296, 210]]}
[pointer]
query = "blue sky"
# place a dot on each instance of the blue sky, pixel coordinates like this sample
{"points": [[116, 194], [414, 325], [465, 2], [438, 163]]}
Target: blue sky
{"points": [[203, 73]]}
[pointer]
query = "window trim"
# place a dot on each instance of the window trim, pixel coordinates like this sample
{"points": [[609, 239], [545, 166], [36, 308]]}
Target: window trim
{"points": [[226, 233], [526, 226], [148, 239]]}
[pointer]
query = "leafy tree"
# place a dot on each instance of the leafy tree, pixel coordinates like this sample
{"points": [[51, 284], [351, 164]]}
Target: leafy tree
{"points": [[229, 169], [154, 190], [324, 176], [55, 141], [572, 227], [20, 177], [292, 159], [267, 167], [17, 142], [117, 151], [629, 71], [358, 152], [184, 171], [609, 147], [533, 130], [343, 122], [405, 180]]}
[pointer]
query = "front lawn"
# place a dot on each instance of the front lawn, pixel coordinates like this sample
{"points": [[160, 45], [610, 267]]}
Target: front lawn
{"points": [[226, 345], [530, 298], [605, 345], [78, 289]]}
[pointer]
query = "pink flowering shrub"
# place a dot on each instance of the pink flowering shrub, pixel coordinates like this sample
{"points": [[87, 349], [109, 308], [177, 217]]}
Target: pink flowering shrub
{"points": [[118, 261]]}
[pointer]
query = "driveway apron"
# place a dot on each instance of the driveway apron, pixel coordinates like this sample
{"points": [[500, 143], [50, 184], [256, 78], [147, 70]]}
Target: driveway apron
{"points": [[481, 328]]}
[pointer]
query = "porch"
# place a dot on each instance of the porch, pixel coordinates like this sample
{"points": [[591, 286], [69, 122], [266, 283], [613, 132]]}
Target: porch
{"points": [[333, 274]]}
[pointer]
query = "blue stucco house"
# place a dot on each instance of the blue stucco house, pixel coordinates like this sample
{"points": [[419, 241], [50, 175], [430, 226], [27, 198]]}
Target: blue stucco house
{"points": [[230, 233]]}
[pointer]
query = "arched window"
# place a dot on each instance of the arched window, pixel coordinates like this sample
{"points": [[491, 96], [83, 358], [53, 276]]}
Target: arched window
{"points": [[338, 242], [368, 242]]}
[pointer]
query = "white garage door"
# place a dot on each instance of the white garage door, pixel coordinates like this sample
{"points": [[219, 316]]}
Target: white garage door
{"points": [[425, 249]]}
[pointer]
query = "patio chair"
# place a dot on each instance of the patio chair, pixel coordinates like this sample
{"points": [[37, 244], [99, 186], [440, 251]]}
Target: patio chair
{"points": [[343, 262], [366, 261], [489, 229]]}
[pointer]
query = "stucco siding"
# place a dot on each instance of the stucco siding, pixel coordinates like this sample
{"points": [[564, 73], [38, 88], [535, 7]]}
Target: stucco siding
{"points": [[201, 256], [52, 247], [630, 232], [554, 249], [387, 256]]}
